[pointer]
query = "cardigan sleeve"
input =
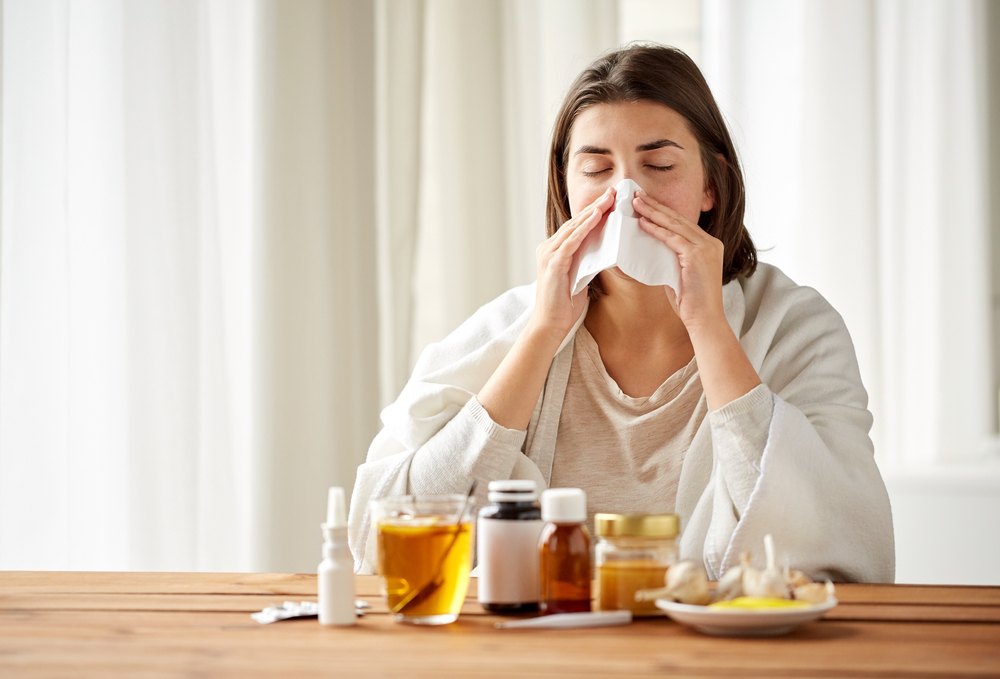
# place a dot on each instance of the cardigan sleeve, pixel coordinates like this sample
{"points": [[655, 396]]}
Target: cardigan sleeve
{"points": [[437, 438], [814, 483], [470, 447], [739, 436], [822, 497]]}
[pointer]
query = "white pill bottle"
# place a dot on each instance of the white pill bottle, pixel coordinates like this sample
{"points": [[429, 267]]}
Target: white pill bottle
{"points": [[507, 548]]}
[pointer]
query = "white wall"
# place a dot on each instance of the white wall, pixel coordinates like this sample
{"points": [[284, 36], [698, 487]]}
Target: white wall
{"points": [[947, 525]]}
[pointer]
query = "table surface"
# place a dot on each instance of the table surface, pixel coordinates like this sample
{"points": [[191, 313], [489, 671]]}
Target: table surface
{"points": [[87, 624]]}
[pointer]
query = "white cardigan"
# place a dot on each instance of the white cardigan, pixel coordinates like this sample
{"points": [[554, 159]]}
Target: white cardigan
{"points": [[792, 457]]}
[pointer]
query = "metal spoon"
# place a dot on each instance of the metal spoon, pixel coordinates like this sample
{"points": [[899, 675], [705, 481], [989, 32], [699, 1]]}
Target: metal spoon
{"points": [[417, 596]]}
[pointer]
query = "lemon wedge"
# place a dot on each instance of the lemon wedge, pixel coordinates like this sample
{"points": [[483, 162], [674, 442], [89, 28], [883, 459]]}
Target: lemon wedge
{"points": [[758, 602]]}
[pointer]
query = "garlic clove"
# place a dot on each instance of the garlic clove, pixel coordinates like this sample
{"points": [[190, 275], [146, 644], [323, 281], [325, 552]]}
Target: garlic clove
{"points": [[686, 584], [750, 574], [652, 594], [814, 592], [769, 583], [766, 585], [731, 583], [796, 578]]}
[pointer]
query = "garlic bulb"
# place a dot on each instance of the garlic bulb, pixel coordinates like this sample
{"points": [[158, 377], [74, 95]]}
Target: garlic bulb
{"points": [[686, 584], [768, 582], [750, 574], [731, 583], [814, 592], [796, 578]]}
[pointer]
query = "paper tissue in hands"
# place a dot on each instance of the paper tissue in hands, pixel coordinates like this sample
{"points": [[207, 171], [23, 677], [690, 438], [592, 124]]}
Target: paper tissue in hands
{"points": [[624, 244]]}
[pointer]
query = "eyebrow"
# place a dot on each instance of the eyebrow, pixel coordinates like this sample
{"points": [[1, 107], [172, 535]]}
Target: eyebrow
{"points": [[658, 144], [651, 146]]}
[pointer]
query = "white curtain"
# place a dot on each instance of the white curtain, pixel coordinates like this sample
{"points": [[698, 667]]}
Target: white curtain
{"points": [[195, 242], [186, 343], [863, 132], [468, 93]]}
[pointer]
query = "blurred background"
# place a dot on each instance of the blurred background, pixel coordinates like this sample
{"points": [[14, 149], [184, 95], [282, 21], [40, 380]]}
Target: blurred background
{"points": [[228, 228]]}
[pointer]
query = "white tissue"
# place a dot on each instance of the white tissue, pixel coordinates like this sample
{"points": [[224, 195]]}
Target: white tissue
{"points": [[624, 244]]}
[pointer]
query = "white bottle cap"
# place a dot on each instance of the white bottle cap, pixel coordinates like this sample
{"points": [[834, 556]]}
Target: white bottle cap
{"points": [[564, 505], [336, 510]]}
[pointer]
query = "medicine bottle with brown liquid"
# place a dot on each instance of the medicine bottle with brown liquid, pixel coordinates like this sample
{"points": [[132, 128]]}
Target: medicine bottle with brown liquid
{"points": [[564, 552]]}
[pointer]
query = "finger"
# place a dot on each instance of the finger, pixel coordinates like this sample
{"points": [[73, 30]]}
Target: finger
{"points": [[658, 213], [600, 205], [665, 234], [572, 243], [606, 198], [583, 224], [560, 261], [667, 217], [569, 227], [708, 253]]}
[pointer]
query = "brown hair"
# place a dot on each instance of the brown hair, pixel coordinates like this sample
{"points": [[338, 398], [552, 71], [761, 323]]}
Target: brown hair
{"points": [[644, 72]]}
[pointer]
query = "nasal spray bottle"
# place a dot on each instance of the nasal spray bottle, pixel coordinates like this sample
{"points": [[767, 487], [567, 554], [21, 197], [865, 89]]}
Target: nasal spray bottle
{"points": [[336, 572]]}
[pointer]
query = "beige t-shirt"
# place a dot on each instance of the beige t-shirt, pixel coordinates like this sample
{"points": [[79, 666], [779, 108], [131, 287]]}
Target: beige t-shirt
{"points": [[625, 453]]}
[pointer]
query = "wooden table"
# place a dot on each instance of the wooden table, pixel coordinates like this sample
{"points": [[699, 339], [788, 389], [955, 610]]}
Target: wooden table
{"points": [[198, 625]]}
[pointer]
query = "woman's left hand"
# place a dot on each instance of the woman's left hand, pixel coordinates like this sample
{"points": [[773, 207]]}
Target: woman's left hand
{"points": [[698, 303]]}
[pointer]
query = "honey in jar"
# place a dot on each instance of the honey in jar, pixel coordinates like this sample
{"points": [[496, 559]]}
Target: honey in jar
{"points": [[633, 552]]}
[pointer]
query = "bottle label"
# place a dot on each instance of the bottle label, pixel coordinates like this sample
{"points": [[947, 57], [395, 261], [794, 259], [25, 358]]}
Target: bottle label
{"points": [[508, 561]]}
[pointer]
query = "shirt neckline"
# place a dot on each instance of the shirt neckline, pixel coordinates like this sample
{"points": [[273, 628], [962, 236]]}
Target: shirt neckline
{"points": [[663, 394]]}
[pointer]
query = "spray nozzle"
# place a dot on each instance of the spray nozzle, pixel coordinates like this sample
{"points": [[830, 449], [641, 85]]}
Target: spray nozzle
{"points": [[336, 508]]}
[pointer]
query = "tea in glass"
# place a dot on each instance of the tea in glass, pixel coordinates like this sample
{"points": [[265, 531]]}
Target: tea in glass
{"points": [[425, 555]]}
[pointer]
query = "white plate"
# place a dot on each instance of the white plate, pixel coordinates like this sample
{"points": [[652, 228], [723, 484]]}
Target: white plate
{"points": [[742, 622]]}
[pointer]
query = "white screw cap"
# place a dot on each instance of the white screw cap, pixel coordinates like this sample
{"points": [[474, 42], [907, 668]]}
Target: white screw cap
{"points": [[564, 505]]}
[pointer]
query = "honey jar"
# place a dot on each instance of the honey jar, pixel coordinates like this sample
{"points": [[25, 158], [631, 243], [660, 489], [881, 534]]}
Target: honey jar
{"points": [[633, 552]]}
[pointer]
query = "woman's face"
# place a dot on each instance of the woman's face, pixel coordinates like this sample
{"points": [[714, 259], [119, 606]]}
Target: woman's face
{"points": [[646, 142]]}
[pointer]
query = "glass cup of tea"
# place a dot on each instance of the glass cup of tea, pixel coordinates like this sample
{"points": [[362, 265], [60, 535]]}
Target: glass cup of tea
{"points": [[424, 555]]}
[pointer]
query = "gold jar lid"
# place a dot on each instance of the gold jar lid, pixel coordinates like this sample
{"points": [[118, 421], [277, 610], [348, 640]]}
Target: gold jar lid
{"points": [[638, 525]]}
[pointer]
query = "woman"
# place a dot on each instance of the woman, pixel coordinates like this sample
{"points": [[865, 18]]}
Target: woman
{"points": [[735, 402]]}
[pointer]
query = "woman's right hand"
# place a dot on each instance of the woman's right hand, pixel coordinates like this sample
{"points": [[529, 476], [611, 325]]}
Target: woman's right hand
{"points": [[556, 311], [510, 395]]}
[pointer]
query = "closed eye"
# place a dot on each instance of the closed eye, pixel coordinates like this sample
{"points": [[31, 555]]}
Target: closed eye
{"points": [[595, 174], [661, 168]]}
